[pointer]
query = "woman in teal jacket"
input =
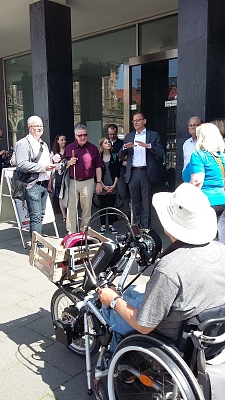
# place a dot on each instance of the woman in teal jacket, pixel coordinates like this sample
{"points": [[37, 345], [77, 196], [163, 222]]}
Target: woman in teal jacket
{"points": [[206, 167]]}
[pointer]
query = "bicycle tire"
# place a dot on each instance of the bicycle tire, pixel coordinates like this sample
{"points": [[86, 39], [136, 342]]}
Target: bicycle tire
{"points": [[59, 311]]}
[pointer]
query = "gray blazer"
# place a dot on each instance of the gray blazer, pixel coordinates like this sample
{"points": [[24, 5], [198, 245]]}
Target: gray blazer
{"points": [[151, 155], [25, 163]]}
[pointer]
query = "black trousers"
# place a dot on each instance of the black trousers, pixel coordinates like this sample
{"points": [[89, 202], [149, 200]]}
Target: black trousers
{"points": [[107, 200], [141, 198]]}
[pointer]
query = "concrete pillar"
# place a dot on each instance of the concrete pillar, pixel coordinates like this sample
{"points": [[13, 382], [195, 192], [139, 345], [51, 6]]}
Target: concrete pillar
{"points": [[201, 65], [51, 51]]}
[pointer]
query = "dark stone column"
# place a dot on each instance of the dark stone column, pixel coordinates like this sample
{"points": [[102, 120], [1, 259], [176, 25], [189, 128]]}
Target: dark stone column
{"points": [[201, 65], [51, 52], [3, 118]]}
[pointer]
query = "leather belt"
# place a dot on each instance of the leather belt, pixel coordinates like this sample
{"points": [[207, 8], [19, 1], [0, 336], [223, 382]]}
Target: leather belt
{"points": [[79, 179], [139, 168], [42, 183]]}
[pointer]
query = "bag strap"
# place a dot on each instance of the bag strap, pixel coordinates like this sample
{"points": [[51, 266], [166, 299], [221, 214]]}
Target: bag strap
{"points": [[218, 160], [36, 159]]}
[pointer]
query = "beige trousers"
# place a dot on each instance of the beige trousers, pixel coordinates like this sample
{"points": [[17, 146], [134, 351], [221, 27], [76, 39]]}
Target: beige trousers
{"points": [[84, 191]]}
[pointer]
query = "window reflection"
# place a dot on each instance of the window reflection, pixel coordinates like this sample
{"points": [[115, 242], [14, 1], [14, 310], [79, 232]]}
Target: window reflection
{"points": [[19, 95], [98, 78], [159, 35]]}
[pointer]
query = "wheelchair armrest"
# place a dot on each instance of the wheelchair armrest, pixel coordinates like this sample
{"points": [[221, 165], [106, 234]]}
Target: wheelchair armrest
{"points": [[210, 321]]}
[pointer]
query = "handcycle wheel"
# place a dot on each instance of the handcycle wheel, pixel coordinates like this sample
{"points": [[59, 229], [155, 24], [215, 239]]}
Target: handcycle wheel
{"points": [[60, 310], [141, 370]]}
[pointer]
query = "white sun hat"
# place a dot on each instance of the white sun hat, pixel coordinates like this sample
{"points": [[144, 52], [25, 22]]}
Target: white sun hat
{"points": [[186, 214]]}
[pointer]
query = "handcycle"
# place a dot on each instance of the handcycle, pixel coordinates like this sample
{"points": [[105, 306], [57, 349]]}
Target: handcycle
{"points": [[142, 366]]}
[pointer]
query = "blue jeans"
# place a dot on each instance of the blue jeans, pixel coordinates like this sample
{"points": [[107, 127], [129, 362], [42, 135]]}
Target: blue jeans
{"points": [[36, 203], [134, 296]]}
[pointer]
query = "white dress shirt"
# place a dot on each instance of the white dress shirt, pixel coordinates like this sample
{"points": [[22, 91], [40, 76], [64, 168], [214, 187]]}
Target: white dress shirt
{"points": [[139, 156], [188, 149]]}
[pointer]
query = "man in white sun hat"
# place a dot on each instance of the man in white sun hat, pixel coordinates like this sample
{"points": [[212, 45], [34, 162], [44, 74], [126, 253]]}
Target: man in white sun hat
{"points": [[188, 278]]}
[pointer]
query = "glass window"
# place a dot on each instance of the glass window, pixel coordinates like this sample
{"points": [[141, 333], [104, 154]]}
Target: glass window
{"points": [[18, 78], [98, 80], [159, 35]]}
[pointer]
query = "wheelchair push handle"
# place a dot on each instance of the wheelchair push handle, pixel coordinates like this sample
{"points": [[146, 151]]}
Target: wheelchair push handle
{"points": [[206, 339]]}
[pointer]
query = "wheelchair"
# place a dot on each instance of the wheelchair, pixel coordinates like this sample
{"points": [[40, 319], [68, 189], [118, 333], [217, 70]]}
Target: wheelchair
{"points": [[149, 367], [142, 366]]}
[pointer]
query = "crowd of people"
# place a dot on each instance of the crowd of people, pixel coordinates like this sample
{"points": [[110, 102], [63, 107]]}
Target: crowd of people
{"points": [[73, 172]]}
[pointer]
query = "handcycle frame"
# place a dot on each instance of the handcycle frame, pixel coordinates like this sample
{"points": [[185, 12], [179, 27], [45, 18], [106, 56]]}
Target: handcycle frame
{"points": [[88, 305], [134, 250]]}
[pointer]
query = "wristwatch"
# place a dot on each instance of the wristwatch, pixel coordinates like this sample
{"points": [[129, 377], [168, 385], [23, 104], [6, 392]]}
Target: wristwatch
{"points": [[113, 302]]}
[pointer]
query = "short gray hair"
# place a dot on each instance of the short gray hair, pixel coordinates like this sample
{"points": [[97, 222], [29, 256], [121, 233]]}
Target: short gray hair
{"points": [[30, 119], [79, 127], [201, 120]]}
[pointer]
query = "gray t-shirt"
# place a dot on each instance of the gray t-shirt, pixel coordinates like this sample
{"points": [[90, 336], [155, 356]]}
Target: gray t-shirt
{"points": [[184, 283]]}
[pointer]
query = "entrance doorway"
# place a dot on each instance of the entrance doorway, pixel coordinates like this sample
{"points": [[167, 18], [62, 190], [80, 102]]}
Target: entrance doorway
{"points": [[150, 84]]}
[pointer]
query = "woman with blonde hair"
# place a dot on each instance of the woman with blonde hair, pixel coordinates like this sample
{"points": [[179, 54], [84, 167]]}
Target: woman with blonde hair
{"points": [[206, 169], [220, 123]]}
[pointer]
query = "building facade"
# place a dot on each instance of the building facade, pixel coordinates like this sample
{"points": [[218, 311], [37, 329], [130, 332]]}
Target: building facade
{"points": [[165, 58]]}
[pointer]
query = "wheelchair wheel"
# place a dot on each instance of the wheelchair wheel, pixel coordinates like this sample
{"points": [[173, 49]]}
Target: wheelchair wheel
{"points": [[142, 371], [61, 310]]}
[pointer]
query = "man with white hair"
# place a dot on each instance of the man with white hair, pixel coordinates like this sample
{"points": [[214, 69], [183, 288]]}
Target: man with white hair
{"points": [[33, 158], [189, 144], [183, 280]]}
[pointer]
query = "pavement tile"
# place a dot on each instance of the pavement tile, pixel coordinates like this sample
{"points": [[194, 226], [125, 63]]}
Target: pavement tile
{"points": [[26, 271], [42, 285], [10, 296], [15, 316], [69, 362], [43, 326], [31, 380], [21, 345], [39, 303], [75, 388]]}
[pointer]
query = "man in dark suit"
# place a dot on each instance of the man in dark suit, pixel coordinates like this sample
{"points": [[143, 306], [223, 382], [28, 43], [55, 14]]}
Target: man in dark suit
{"points": [[141, 148]]}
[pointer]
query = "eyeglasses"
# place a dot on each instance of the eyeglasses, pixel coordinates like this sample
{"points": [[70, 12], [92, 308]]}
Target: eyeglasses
{"points": [[193, 125], [82, 135], [138, 120], [37, 126]]}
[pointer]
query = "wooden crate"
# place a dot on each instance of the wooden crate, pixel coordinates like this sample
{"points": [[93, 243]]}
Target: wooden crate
{"points": [[52, 260]]}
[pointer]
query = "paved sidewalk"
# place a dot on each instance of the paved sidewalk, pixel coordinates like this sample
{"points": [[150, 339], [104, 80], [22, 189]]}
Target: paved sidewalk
{"points": [[33, 366]]}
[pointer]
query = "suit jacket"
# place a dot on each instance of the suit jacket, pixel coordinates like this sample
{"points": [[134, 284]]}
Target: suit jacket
{"points": [[151, 154]]}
